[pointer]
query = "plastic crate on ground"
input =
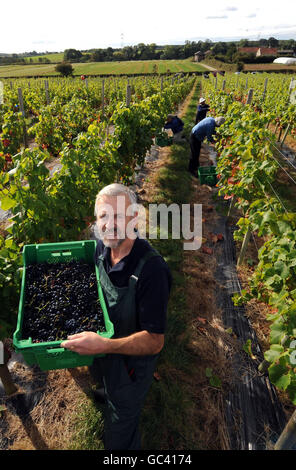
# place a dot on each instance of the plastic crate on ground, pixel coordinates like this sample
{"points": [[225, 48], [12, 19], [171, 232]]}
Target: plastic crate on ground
{"points": [[207, 175]]}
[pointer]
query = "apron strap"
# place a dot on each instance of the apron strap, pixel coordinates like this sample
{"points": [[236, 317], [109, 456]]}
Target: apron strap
{"points": [[134, 277]]}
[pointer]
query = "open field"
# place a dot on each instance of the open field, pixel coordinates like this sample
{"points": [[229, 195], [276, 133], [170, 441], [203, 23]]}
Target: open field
{"points": [[97, 68], [268, 67], [54, 58]]}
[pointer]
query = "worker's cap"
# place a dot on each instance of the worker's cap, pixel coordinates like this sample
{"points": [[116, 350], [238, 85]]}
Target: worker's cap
{"points": [[170, 116], [219, 120], [202, 100]]}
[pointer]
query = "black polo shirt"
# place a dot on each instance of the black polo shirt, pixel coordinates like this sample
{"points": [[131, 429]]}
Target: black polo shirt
{"points": [[153, 286]]}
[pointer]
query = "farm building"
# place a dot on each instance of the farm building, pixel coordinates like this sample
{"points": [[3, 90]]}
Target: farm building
{"points": [[258, 51], [198, 56]]}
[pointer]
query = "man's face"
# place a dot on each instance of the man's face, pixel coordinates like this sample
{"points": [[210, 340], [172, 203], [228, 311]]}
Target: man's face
{"points": [[115, 221]]}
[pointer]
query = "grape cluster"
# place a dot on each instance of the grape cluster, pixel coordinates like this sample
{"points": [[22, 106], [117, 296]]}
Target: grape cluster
{"points": [[61, 299]]}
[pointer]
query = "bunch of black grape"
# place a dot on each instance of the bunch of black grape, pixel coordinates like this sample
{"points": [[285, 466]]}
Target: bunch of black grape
{"points": [[61, 299]]}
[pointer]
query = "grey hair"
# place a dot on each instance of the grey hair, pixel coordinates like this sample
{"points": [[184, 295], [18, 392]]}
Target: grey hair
{"points": [[219, 120], [115, 189]]}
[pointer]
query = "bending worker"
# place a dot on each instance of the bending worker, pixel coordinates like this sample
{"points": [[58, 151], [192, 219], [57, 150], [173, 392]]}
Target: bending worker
{"points": [[136, 282], [205, 128], [202, 110], [176, 124]]}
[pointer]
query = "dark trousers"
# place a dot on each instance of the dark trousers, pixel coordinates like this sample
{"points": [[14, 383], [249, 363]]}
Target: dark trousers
{"points": [[125, 394], [195, 146]]}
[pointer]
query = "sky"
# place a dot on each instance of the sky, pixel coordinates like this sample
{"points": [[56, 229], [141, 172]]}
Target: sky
{"points": [[56, 25]]}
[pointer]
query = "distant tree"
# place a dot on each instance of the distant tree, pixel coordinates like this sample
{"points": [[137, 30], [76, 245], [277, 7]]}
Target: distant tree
{"points": [[150, 51], [239, 66], [206, 45], [98, 55], [272, 42], [86, 58], [109, 53], [190, 48], [288, 44], [244, 58], [219, 48], [64, 68], [72, 55], [172, 52], [128, 53], [231, 51], [243, 43], [118, 55]]}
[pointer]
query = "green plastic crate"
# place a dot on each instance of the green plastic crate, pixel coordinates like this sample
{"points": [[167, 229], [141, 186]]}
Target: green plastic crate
{"points": [[49, 355], [207, 175]]}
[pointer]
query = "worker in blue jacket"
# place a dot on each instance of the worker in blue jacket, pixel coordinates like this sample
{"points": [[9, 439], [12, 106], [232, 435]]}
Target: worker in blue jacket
{"points": [[204, 129], [176, 125], [202, 110]]}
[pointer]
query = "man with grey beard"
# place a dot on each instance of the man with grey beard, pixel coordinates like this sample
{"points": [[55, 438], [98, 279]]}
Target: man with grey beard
{"points": [[136, 282]]}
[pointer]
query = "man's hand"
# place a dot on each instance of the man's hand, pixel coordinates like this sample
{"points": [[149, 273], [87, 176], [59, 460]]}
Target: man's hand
{"points": [[137, 344], [86, 342]]}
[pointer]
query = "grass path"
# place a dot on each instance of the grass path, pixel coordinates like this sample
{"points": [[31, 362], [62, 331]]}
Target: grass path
{"points": [[182, 410]]}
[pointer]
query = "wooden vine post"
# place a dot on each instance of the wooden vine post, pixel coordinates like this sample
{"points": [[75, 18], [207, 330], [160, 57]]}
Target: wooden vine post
{"points": [[250, 96], [285, 134], [223, 85], [244, 247], [291, 88], [265, 88], [288, 437], [128, 95], [21, 102], [232, 204], [46, 92], [103, 97], [280, 134]]}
